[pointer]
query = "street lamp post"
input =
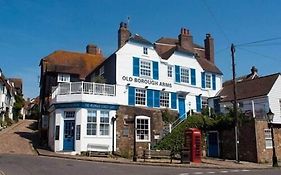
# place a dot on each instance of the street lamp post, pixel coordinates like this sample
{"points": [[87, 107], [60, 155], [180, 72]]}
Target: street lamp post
{"points": [[135, 144], [270, 116]]}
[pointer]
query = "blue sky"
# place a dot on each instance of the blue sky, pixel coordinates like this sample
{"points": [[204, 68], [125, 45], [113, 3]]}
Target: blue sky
{"points": [[33, 29]]}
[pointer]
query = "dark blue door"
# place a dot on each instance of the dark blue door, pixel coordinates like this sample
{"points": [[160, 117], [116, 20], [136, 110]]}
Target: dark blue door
{"points": [[182, 107], [68, 138], [213, 144]]}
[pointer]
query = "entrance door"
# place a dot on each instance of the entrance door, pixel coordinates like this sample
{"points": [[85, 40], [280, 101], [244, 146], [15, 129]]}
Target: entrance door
{"points": [[213, 144], [68, 139], [181, 107]]}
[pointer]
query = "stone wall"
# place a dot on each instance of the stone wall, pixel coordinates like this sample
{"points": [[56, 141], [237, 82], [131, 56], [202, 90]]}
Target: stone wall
{"points": [[125, 129]]}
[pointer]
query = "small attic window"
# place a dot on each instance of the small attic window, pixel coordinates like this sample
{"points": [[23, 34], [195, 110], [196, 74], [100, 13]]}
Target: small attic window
{"points": [[63, 78], [145, 50], [101, 71]]}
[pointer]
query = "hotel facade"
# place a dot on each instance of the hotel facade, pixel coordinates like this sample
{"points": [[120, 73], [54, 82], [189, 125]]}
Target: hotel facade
{"points": [[139, 81]]}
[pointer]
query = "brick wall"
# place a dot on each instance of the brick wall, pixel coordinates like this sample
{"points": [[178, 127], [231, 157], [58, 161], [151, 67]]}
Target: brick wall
{"points": [[252, 142], [265, 155], [247, 143], [125, 128]]}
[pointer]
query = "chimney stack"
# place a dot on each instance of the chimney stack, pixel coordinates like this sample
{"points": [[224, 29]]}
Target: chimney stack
{"points": [[209, 48], [254, 70], [186, 40], [123, 34], [93, 49]]}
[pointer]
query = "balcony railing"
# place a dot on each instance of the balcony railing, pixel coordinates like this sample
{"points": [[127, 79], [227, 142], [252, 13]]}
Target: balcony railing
{"points": [[84, 88]]}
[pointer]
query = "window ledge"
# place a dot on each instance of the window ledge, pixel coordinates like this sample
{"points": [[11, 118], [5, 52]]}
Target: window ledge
{"points": [[142, 141]]}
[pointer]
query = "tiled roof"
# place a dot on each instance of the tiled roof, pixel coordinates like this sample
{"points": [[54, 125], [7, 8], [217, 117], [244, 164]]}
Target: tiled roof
{"points": [[249, 88], [208, 66], [72, 62], [17, 82], [164, 40], [171, 45], [140, 39], [174, 41]]}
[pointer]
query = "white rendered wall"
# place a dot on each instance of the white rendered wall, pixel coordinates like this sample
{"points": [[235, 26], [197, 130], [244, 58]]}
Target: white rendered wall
{"points": [[274, 97], [124, 68], [81, 119]]}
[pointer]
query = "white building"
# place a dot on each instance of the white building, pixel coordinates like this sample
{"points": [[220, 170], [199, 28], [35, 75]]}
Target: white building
{"points": [[255, 95], [7, 98], [171, 73]]}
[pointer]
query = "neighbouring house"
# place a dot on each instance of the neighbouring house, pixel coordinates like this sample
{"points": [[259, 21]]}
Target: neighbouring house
{"points": [[141, 80], [17, 83], [7, 98], [31, 107], [62, 67], [255, 96]]}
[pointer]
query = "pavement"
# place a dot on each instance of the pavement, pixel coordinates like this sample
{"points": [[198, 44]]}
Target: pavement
{"points": [[210, 163], [21, 138]]}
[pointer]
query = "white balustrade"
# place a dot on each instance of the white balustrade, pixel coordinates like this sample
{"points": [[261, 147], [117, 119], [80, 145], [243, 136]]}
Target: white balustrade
{"points": [[84, 88]]}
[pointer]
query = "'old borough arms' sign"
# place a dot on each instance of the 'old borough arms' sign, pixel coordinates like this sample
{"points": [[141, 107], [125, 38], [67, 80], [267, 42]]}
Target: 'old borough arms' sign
{"points": [[146, 81]]}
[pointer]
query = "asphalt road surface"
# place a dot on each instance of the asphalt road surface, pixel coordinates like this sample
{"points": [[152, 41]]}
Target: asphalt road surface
{"points": [[12, 164]]}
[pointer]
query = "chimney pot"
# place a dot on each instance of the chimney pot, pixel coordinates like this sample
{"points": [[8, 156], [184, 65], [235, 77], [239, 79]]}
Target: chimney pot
{"points": [[254, 70], [186, 40], [93, 49]]}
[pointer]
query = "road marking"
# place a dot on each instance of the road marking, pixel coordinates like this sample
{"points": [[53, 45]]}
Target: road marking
{"points": [[2, 173], [212, 172], [224, 171]]}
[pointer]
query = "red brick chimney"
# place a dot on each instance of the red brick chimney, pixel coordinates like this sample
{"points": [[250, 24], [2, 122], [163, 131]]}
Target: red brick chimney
{"points": [[209, 48], [123, 34], [186, 40], [93, 49]]}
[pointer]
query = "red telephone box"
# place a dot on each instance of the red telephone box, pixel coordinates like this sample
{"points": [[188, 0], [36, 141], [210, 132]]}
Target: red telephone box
{"points": [[193, 141]]}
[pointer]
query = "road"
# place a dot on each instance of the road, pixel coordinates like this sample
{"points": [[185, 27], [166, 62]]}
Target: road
{"points": [[18, 139], [12, 164]]}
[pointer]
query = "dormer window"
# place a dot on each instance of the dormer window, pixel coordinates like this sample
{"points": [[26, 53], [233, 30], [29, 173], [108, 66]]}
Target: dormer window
{"points": [[63, 78], [145, 50]]}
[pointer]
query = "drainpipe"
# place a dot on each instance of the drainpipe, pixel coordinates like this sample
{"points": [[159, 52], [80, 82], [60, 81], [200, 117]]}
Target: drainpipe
{"points": [[113, 119]]}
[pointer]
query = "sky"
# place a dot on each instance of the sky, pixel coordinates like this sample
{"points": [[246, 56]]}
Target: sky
{"points": [[33, 29]]}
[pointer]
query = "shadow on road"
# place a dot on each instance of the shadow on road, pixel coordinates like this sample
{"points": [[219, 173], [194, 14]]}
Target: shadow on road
{"points": [[32, 136]]}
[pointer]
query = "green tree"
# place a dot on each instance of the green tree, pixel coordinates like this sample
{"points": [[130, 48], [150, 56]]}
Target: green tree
{"points": [[18, 105], [99, 79]]}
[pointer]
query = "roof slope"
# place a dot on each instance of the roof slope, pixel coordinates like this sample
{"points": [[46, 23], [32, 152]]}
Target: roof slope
{"points": [[249, 88], [165, 47], [208, 66], [72, 62], [139, 39]]}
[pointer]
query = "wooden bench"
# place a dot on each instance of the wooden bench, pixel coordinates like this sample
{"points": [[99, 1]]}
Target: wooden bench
{"points": [[157, 154], [92, 150]]}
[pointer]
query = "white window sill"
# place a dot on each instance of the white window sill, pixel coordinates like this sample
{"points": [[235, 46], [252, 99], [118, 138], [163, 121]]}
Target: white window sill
{"points": [[96, 136], [142, 141]]}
